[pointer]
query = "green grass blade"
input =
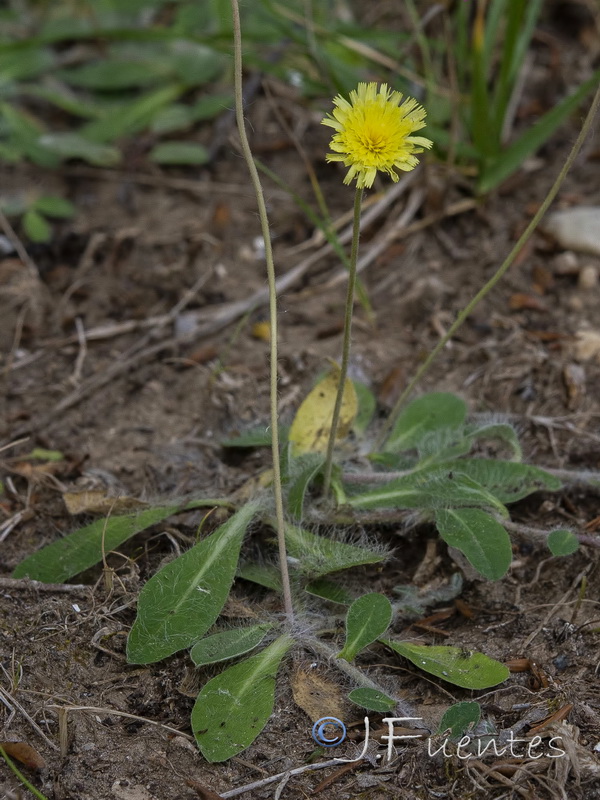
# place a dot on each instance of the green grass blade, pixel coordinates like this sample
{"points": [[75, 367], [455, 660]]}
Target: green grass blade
{"points": [[511, 159]]}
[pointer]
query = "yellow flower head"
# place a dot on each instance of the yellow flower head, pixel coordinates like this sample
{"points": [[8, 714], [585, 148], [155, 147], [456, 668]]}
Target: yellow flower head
{"points": [[374, 132]]}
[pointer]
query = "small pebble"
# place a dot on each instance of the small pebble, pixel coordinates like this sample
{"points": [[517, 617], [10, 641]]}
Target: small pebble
{"points": [[576, 228], [561, 662], [588, 277], [565, 263]]}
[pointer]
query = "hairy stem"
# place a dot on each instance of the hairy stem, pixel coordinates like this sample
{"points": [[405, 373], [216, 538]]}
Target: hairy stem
{"points": [[264, 222], [496, 277], [320, 648], [346, 342]]}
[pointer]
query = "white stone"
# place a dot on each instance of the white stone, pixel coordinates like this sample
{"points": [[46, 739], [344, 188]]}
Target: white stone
{"points": [[588, 277], [576, 228]]}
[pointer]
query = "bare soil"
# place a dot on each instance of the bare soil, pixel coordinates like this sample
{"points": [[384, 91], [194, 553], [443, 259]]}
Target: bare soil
{"points": [[141, 410]]}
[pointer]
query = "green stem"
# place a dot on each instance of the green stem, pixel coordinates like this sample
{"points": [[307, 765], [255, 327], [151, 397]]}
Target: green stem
{"points": [[497, 276], [264, 221], [346, 343]]}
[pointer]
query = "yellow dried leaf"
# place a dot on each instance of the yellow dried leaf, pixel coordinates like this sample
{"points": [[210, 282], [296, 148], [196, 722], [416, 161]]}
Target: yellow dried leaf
{"points": [[317, 695], [96, 501], [312, 424]]}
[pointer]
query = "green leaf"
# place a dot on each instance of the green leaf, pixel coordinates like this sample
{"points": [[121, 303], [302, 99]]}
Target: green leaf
{"points": [[534, 137], [257, 437], [180, 117], [134, 117], [27, 62], [228, 644], [320, 555], [179, 604], [424, 415], [433, 488], [176, 117], [441, 446], [233, 708], [71, 145], [179, 153], [368, 618], [562, 542], [479, 537], [194, 63], [453, 664], [211, 106], [459, 717], [36, 227], [64, 98], [112, 74], [500, 431], [55, 207], [42, 454], [508, 481], [61, 560], [366, 407], [310, 465], [263, 574], [330, 591], [372, 700]]}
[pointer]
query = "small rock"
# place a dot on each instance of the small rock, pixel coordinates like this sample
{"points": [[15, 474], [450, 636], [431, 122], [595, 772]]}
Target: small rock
{"points": [[588, 277], [587, 345], [565, 263], [576, 228]]}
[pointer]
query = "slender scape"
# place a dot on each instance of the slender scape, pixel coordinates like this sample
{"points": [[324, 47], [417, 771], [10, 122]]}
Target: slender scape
{"points": [[264, 222]]}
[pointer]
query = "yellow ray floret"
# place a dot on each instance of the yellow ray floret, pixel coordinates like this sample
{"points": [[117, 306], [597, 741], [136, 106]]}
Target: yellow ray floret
{"points": [[373, 132]]}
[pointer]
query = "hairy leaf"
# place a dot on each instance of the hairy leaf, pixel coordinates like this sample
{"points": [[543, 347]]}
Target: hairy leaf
{"points": [[328, 590], [424, 415], [372, 700], [500, 431], [179, 604], [310, 465], [508, 481], [432, 488], [481, 538], [562, 542], [459, 717], [368, 618], [233, 708], [319, 555], [228, 644], [61, 560], [453, 664]]}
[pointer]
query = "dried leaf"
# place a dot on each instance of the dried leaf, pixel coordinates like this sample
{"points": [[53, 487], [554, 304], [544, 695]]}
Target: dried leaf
{"points": [[519, 301], [312, 424], [96, 501], [317, 695], [24, 753], [574, 380]]}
